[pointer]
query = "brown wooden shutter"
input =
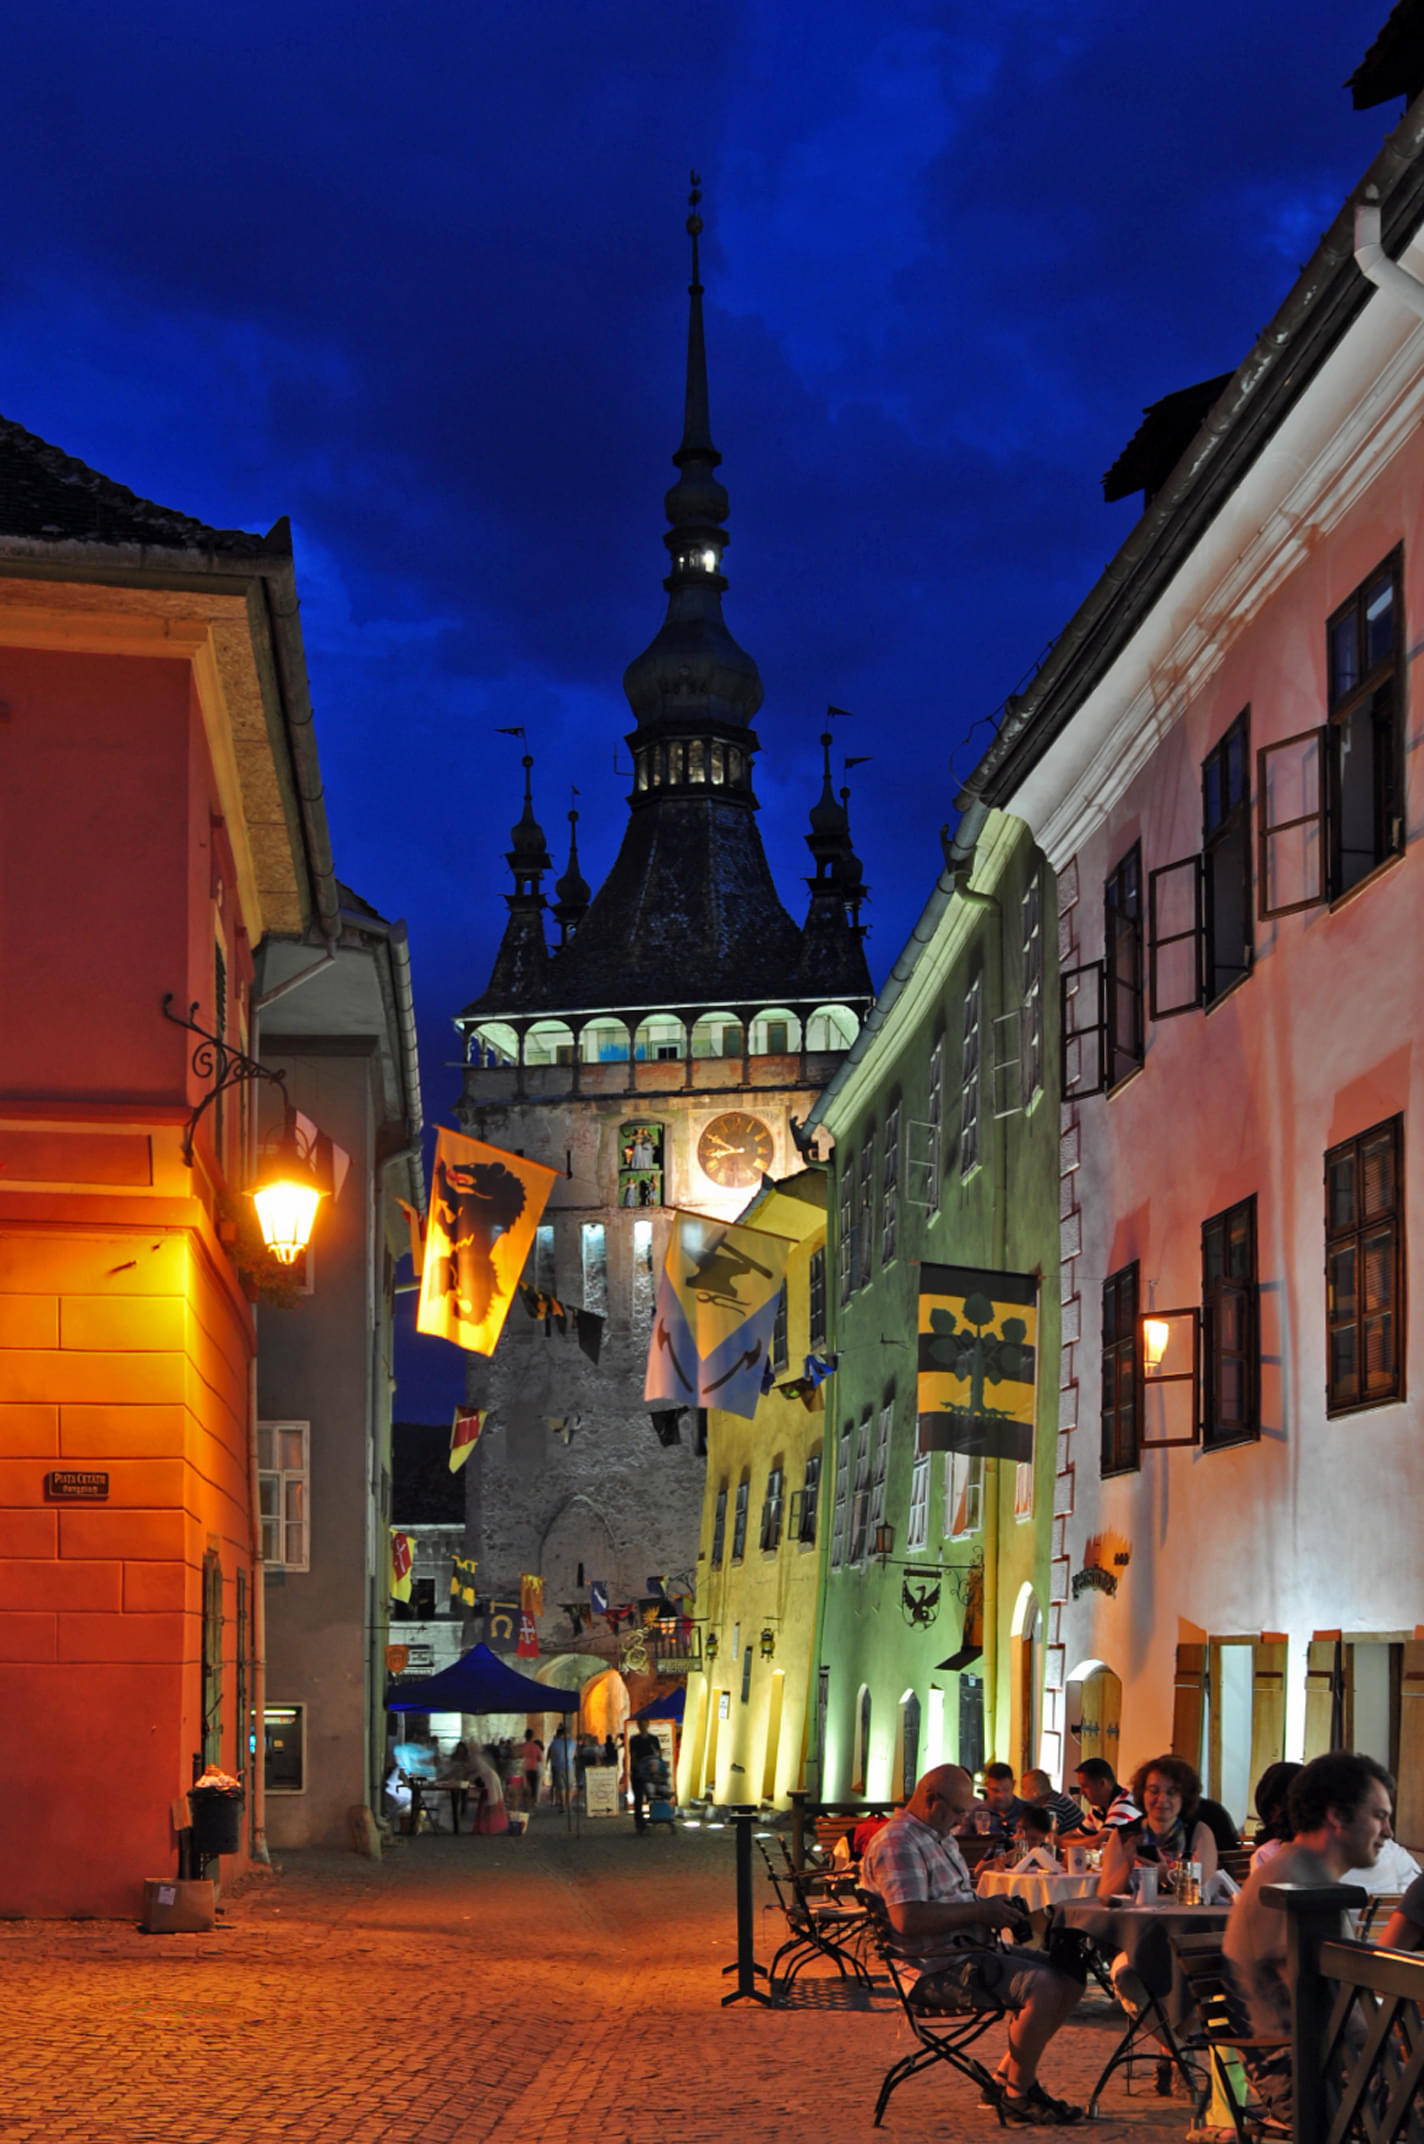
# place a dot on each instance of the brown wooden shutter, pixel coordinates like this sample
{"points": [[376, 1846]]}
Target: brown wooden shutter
{"points": [[1409, 1809], [1174, 937], [1189, 1703], [1319, 1675], [1268, 1701], [1291, 824]]}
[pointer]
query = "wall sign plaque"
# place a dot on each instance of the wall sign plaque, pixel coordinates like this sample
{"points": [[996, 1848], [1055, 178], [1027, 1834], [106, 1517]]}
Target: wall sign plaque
{"points": [[76, 1484]]}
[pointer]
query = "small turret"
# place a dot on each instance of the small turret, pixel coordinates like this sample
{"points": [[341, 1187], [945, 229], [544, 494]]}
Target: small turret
{"points": [[833, 953], [572, 890]]}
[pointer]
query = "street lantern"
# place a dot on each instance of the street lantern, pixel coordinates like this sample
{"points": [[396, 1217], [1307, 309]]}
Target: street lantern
{"points": [[768, 1642], [1155, 1334], [884, 1541], [286, 1196]]}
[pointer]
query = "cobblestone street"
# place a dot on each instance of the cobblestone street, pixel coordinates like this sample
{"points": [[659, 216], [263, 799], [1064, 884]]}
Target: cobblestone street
{"points": [[546, 1988]]}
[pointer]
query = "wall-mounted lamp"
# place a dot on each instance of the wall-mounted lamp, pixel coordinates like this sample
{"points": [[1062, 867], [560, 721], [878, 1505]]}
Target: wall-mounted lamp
{"points": [[286, 1193], [768, 1642], [710, 1646], [884, 1541]]}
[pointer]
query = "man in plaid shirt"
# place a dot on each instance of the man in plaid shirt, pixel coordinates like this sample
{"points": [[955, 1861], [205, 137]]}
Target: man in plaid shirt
{"points": [[918, 1872]]}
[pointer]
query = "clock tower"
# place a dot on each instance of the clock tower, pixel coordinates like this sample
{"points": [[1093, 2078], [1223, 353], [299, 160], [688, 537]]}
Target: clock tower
{"points": [[658, 1056]]}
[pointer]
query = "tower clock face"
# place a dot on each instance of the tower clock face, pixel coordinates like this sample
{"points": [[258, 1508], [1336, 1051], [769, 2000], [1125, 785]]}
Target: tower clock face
{"points": [[736, 1150]]}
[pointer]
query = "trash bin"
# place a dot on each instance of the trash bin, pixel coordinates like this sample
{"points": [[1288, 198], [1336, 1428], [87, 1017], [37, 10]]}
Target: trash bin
{"points": [[216, 1801]]}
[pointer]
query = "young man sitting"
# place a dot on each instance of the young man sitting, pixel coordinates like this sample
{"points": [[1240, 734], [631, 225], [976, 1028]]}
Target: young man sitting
{"points": [[917, 1871], [1340, 1809]]}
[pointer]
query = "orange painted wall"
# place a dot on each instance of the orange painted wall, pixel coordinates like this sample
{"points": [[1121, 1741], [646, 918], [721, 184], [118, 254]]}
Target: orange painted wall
{"points": [[125, 1343]]}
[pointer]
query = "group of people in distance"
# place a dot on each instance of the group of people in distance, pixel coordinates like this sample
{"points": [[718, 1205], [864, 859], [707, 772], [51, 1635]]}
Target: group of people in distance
{"points": [[1328, 1821]]}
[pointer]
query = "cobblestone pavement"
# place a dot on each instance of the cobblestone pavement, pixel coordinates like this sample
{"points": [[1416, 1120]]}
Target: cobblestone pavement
{"points": [[524, 1991]]}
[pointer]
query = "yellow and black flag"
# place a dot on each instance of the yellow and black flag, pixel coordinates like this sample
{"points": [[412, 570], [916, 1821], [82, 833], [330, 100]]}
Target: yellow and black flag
{"points": [[484, 1207], [462, 1580], [978, 1361]]}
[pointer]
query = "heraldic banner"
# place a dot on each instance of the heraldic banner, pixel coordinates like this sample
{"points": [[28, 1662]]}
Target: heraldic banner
{"points": [[978, 1361], [716, 1311], [484, 1208]]}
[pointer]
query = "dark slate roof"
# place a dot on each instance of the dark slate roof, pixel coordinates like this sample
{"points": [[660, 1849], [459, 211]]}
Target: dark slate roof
{"points": [[1394, 64], [46, 496], [423, 1490], [1166, 431], [688, 914]]}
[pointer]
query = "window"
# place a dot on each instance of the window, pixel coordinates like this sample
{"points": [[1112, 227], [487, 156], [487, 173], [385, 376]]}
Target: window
{"points": [[747, 1656], [934, 1145], [1226, 861], [283, 1450], [890, 1184], [212, 1643], [640, 1163], [719, 1528], [1023, 1489], [284, 1748], [595, 1267], [963, 1492], [840, 1530], [1231, 1396], [544, 1267], [816, 1311], [804, 1530], [1364, 1268], [1122, 938], [1330, 801], [860, 1494], [917, 1532], [969, 1065], [845, 1245], [1122, 1385], [876, 1512], [778, 1038], [1031, 943], [739, 1520], [771, 1509], [644, 1293], [778, 1332], [865, 1212]]}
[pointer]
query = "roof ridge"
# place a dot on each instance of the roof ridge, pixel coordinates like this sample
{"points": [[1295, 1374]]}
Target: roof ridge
{"points": [[48, 495]]}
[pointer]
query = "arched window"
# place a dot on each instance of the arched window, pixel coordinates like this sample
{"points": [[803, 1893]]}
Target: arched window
{"points": [[831, 1027], [661, 1038], [549, 1042], [604, 1041], [775, 1033]]}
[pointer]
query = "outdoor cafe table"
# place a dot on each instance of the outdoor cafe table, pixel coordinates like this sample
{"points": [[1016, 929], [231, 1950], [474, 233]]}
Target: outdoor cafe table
{"points": [[1142, 1934], [1037, 1888]]}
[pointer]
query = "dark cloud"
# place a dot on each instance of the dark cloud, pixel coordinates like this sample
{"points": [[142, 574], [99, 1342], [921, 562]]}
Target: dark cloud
{"points": [[417, 278]]}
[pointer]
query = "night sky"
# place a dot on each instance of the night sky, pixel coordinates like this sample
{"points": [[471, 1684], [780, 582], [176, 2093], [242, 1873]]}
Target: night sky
{"points": [[417, 277]]}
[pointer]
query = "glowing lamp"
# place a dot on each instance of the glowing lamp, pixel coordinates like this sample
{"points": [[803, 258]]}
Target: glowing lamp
{"points": [[711, 1645], [1155, 1334], [286, 1196], [768, 1642], [884, 1541]]}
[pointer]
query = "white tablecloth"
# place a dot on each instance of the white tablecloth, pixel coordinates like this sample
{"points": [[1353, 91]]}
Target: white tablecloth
{"points": [[1037, 1888]]}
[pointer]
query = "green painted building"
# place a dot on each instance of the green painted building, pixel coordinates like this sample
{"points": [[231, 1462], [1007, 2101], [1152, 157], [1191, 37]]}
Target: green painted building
{"points": [[944, 1119]]}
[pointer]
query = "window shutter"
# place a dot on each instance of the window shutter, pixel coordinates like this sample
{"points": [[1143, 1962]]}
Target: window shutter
{"points": [[1319, 1687], [1183, 1340], [1189, 1703], [1268, 1701], [1409, 1810], [1083, 1031], [1290, 824], [1174, 937]]}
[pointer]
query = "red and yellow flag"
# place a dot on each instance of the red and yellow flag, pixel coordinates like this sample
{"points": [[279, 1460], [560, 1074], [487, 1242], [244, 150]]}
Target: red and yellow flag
{"points": [[400, 1566], [531, 1594], [464, 1434], [484, 1208]]}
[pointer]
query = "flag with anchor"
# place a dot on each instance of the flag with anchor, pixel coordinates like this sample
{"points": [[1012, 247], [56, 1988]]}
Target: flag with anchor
{"points": [[715, 1315]]}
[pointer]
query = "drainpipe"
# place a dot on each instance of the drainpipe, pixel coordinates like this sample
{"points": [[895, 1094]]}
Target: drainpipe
{"points": [[1374, 262]]}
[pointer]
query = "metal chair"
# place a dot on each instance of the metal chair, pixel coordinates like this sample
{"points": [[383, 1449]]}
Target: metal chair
{"points": [[815, 1931], [941, 2034]]}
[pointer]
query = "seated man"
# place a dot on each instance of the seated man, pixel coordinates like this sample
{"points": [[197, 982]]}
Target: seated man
{"points": [[915, 1868], [1110, 1804], [1340, 1808], [1064, 1811]]}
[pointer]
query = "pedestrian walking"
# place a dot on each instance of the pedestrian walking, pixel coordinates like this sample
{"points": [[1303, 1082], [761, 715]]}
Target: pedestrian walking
{"points": [[561, 1755], [533, 1759]]}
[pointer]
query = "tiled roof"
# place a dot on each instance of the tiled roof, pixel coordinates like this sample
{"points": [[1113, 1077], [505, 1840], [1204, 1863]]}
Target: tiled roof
{"points": [[1394, 64], [46, 496], [1166, 431]]}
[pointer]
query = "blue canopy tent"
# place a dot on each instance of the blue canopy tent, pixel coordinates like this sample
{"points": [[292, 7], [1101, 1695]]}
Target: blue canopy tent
{"points": [[669, 1707], [479, 1681]]}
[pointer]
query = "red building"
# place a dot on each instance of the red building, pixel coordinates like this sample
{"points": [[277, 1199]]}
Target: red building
{"points": [[160, 812]]}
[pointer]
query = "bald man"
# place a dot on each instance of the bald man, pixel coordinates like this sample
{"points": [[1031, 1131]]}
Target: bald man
{"points": [[951, 1937]]}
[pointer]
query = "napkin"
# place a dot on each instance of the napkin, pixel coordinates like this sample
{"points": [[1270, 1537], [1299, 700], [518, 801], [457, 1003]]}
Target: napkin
{"points": [[1037, 1861], [1219, 1889]]}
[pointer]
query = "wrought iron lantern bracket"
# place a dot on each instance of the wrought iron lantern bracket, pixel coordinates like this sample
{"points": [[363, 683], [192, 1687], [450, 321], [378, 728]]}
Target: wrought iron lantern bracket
{"points": [[216, 1060]]}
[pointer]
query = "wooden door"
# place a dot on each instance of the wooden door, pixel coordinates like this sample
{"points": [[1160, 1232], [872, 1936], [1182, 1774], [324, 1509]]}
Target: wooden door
{"points": [[1189, 1703]]}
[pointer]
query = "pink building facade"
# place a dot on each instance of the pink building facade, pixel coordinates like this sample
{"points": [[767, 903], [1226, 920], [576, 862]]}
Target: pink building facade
{"points": [[1220, 760]]}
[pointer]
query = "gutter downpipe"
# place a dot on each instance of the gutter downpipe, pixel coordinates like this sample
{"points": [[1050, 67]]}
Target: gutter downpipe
{"points": [[1374, 262]]}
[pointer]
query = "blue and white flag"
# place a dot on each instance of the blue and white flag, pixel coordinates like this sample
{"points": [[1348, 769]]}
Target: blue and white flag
{"points": [[716, 1314]]}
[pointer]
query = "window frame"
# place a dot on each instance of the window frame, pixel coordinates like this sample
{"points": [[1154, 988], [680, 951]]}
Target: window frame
{"points": [[917, 1520], [971, 1077], [890, 1184], [1121, 1347], [840, 1522], [845, 1245], [1232, 825], [780, 1330], [865, 1212], [718, 1550], [963, 1489], [1390, 1219], [1216, 1292], [816, 1300], [803, 1528], [1031, 905], [1123, 900], [773, 1505], [280, 1519], [740, 1512]]}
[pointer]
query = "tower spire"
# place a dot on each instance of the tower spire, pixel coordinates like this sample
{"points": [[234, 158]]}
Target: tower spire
{"points": [[696, 420], [572, 890]]}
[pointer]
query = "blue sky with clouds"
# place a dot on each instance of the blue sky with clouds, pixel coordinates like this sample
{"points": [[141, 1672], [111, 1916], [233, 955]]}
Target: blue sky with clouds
{"points": [[417, 277]]}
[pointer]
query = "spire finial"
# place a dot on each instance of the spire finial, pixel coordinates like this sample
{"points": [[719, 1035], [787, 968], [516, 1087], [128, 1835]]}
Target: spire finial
{"points": [[697, 423], [694, 226]]}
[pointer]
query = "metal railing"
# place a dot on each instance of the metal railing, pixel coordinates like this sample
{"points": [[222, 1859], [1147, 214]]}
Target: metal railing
{"points": [[1357, 2027]]}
